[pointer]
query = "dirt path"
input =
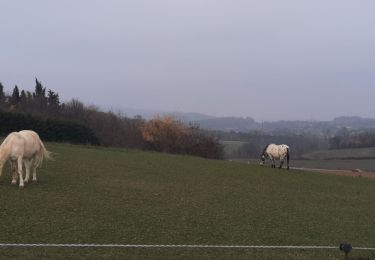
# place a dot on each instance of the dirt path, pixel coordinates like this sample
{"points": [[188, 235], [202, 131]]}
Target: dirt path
{"points": [[352, 173]]}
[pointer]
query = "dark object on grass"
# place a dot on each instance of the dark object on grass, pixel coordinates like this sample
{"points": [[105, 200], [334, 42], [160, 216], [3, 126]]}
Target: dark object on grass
{"points": [[346, 248]]}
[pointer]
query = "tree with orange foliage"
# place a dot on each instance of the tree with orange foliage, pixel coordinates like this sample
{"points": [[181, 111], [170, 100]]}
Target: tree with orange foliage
{"points": [[166, 134], [163, 134]]}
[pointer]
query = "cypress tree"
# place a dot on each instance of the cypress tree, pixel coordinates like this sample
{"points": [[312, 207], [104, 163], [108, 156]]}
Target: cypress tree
{"points": [[39, 96], [15, 96], [2, 96], [53, 102], [39, 91], [23, 98], [53, 98]]}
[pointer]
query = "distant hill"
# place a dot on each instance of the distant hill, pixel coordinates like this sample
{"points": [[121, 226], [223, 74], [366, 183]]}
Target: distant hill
{"points": [[353, 122], [299, 126], [190, 117], [229, 123], [149, 113], [245, 124]]}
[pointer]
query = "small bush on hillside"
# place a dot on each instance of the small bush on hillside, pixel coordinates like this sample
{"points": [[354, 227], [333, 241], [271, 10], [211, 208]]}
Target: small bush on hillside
{"points": [[165, 134]]}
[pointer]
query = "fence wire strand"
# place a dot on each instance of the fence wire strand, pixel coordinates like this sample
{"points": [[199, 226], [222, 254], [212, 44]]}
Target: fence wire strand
{"points": [[178, 246]]}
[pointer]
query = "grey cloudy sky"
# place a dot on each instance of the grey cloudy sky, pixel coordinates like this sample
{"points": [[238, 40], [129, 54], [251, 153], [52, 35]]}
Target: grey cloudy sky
{"points": [[268, 59]]}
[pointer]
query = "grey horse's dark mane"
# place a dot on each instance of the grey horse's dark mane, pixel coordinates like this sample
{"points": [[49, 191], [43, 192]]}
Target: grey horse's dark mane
{"points": [[265, 148]]}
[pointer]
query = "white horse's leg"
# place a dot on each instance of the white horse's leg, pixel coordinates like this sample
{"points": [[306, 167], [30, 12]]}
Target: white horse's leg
{"points": [[19, 165], [1, 168], [28, 164], [34, 173], [13, 169]]}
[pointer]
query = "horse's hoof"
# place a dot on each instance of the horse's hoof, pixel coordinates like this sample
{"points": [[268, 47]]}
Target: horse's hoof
{"points": [[21, 186], [35, 180], [14, 182]]}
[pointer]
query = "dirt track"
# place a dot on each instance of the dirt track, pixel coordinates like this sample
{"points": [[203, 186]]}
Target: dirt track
{"points": [[352, 173]]}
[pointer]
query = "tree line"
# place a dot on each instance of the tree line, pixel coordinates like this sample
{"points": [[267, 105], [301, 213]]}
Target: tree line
{"points": [[43, 111]]}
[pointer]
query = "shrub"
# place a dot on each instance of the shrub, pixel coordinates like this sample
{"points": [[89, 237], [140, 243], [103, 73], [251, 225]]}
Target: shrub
{"points": [[165, 134], [57, 130]]}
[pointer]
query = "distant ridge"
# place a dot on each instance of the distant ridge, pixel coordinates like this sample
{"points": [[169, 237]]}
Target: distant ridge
{"points": [[353, 121], [241, 124], [245, 124], [190, 117], [150, 113], [229, 123]]}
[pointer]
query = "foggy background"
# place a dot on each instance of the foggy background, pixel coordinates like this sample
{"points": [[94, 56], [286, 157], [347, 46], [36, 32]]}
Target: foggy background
{"points": [[270, 60]]}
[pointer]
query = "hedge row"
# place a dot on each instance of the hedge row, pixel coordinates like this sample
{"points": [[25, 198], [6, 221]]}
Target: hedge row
{"points": [[55, 130]]}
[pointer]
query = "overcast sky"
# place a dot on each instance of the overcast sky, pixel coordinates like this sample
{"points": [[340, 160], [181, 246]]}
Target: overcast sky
{"points": [[267, 59]]}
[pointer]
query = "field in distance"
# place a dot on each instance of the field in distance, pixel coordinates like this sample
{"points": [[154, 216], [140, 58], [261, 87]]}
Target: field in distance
{"points": [[354, 154], [339, 159], [119, 196], [343, 159]]}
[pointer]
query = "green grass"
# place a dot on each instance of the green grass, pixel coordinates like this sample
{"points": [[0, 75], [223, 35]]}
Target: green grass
{"points": [[365, 165], [342, 159], [357, 153], [333, 164], [89, 195], [231, 147]]}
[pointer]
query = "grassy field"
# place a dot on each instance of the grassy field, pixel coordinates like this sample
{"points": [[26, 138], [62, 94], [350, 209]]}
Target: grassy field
{"points": [[331, 164], [343, 159], [364, 165], [231, 147], [357, 153], [89, 195]]}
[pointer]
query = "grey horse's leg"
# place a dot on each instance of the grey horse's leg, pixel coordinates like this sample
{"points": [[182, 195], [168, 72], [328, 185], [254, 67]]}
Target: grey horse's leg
{"points": [[273, 165]]}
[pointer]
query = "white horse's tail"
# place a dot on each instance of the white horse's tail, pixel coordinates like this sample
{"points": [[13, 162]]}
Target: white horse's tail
{"points": [[43, 153]]}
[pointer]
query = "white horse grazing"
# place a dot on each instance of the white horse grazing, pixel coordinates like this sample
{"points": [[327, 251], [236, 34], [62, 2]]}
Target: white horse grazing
{"points": [[273, 151], [22, 147]]}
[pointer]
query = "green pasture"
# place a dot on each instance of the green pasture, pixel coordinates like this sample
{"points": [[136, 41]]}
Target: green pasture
{"points": [[337, 164], [342, 159], [230, 147], [118, 196], [355, 153], [331, 164]]}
